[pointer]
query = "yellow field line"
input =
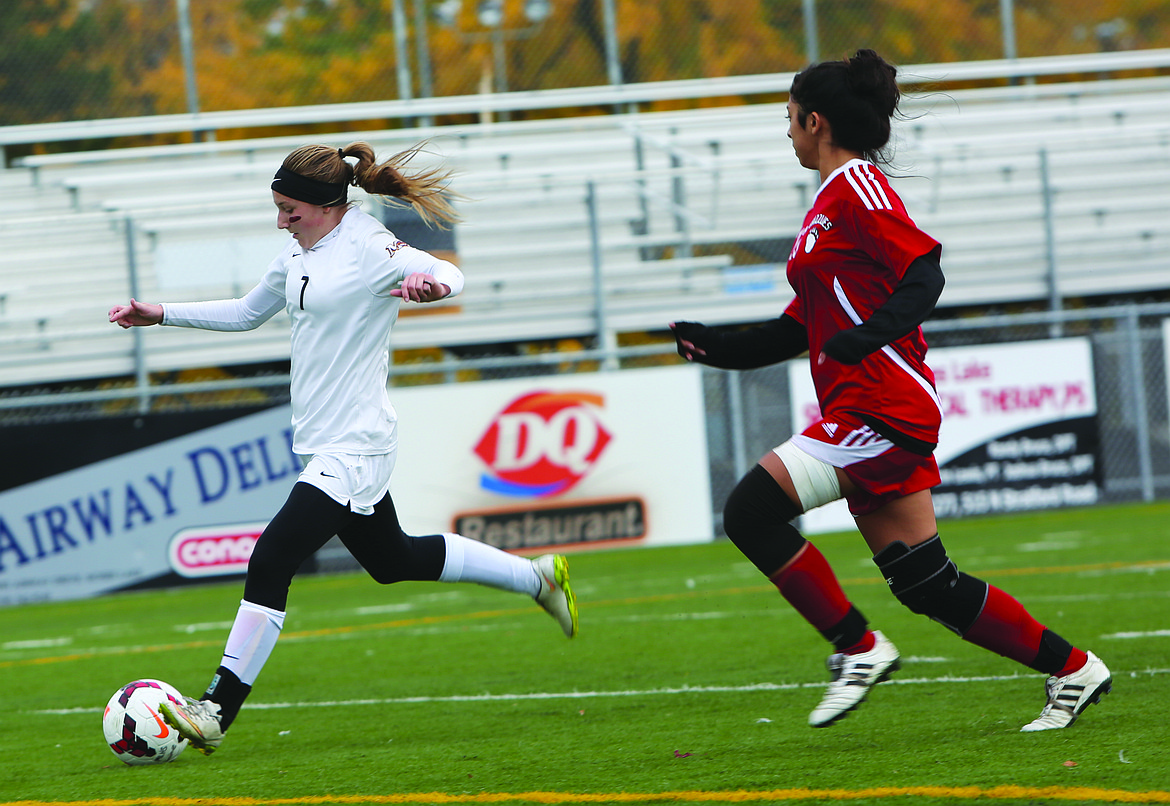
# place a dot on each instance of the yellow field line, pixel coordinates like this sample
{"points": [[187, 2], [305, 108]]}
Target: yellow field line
{"points": [[484, 614], [1079, 794], [385, 625]]}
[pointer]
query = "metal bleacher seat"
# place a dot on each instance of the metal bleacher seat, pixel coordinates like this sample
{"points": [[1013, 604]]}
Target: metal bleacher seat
{"points": [[677, 196]]}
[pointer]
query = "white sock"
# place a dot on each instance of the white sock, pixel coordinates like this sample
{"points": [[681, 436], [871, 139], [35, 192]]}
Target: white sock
{"points": [[472, 561], [251, 640]]}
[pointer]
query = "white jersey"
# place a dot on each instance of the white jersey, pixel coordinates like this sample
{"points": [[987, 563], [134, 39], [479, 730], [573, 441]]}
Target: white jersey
{"points": [[338, 296]]}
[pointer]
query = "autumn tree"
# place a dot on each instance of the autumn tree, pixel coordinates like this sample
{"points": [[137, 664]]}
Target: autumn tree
{"points": [[76, 59], [49, 68]]}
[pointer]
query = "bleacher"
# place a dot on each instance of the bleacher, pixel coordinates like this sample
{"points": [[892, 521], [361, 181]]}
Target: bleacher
{"points": [[619, 223]]}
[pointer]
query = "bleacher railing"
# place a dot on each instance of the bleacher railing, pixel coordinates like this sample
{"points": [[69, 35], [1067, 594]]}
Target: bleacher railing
{"points": [[619, 97], [1130, 353]]}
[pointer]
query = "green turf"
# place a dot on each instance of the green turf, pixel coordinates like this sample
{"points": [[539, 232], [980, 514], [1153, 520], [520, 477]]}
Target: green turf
{"points": [[654, 697]]}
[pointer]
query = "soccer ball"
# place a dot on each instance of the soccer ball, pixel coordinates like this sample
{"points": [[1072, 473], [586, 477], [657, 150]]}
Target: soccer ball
{"points": [[134, 728]]}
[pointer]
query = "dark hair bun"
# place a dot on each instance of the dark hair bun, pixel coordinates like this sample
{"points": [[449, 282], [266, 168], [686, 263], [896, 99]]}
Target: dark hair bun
{"points": [[858, 96], [870, 76]]}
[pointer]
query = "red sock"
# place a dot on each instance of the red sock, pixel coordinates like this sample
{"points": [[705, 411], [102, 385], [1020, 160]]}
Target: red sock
{"points": [[864, 645], [1007, 628], [810, 586], [1076, 659]]}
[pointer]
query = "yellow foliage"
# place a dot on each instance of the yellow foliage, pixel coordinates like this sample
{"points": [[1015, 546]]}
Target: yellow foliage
{"points": [[271, 53]]}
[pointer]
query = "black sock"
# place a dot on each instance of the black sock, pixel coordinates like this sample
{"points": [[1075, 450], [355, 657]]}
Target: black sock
{"points": [[848, 631], [1053, 653], [227, 690]]}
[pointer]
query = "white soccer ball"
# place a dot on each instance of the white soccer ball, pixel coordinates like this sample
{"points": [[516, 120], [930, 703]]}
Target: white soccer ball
{"points": [[134, 727]]}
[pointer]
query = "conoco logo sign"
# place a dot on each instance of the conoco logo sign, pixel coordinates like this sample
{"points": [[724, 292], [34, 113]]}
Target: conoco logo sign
{"points": [[214, 550], [542, 443]]}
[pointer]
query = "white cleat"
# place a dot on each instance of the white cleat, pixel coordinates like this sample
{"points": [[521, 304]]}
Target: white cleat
{"points": [[1068, 696], [853, 677], [555, 595], [197, 721]]}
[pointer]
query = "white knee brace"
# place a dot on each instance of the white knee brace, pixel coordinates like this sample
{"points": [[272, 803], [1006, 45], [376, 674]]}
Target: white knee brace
{"points": [[815, 481]]}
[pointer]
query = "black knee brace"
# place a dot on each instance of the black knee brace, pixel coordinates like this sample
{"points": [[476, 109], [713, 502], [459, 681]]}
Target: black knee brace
{"points": [[756, 519], [926, 580]]}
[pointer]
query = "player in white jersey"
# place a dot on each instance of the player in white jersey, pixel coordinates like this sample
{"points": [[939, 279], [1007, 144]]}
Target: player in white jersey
{"points": [[865, 278], [342, 278]]}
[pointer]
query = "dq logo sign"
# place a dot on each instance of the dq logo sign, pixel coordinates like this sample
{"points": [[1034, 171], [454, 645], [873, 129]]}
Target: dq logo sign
{"points": [[542, 443]]}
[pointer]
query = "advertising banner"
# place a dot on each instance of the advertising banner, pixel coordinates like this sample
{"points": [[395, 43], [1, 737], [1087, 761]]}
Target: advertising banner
{"points": [[1166, 352], [1019, 429], [110, 525], [571, 460], [616, 458]]}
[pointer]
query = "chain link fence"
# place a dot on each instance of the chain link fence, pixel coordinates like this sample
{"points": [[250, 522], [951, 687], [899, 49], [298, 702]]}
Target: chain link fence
{"points": [[85, 59], [748, 413]]}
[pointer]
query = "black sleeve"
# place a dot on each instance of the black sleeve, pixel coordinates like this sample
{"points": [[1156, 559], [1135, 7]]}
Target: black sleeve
{"points": [[769, 343], [906, 309]]}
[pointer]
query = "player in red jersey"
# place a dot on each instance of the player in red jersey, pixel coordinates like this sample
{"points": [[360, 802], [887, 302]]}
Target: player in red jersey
{"points": [[865, 278]]}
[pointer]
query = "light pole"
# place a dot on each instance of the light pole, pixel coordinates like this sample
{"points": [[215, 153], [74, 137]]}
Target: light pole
{"points": [[422, 47], [811, 45], [401, 51], [187, 49], [490, 14], [613, 64], [1007, 24]]}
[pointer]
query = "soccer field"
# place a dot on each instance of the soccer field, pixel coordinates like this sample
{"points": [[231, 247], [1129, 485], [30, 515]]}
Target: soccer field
{"points": [[690, 682]]}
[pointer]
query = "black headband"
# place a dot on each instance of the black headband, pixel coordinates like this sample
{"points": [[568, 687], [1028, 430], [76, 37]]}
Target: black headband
{"points": [[310, 191]]}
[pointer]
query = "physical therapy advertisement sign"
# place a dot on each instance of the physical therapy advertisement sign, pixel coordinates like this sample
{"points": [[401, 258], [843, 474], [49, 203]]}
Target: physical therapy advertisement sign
{"points": [[1019, 429], [575, 460]]}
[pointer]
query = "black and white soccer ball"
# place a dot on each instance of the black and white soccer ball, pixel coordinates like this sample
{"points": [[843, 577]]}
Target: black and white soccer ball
{"points": [[135, 729]]}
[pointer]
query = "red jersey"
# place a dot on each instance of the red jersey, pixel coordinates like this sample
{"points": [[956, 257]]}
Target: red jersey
{"points": [[854, 247]]}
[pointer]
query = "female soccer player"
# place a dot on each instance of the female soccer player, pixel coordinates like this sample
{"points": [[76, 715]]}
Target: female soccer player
{"points": [[342, 278], [865, 278]]}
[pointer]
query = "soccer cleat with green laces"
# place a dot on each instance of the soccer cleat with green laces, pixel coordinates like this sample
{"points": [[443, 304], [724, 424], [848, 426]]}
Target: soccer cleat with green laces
{"points": [[555, 595], [197, 721]]}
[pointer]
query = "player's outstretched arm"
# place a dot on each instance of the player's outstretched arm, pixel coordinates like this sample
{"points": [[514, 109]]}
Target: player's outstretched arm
{"points": [[136, 314], [769, 343]]}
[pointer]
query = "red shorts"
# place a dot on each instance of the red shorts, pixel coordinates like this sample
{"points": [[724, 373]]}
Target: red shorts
{"points": [[881, 470]]}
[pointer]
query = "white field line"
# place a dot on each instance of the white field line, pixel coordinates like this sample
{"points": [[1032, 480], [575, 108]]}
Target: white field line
{"points": [[16, 647], [1146, 634], [589, 695]]}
